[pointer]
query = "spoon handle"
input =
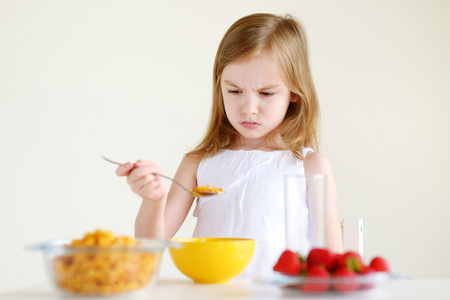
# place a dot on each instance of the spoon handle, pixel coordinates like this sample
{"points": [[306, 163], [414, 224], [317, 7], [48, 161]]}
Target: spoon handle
{"points": [[111, 161], [174, 181], [157, 174]]}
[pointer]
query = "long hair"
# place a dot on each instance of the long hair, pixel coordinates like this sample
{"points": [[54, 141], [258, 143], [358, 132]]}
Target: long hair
{"points": [[284, 40]]}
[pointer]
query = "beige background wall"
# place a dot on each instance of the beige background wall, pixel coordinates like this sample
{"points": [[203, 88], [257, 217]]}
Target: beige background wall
{"points": [[132, 79]]}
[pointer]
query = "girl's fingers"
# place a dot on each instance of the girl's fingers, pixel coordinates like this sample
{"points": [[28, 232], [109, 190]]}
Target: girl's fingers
{"points": [[142, 175], [154, 184], [124, 170], [141, 163], [139, 180], [143, 182]]}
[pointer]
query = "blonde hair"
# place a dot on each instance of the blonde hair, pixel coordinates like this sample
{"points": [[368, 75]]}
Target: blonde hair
{"points": [[283, 40]]}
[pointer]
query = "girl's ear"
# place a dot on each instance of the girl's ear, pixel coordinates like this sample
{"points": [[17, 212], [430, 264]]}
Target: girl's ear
{"points": [[294, 98]]}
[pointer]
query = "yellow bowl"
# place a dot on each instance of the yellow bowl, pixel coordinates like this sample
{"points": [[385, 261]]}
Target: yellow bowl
{"points": [[212, 260]]}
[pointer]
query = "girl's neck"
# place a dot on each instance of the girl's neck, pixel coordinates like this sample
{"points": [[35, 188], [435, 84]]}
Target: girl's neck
{"points": [[261, 145]]}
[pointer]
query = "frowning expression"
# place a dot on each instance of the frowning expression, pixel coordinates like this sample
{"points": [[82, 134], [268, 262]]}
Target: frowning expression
{"points": [[255, 98]]}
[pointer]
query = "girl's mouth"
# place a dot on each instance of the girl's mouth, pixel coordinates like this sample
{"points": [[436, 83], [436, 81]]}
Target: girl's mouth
{"points": [[249, 124]]}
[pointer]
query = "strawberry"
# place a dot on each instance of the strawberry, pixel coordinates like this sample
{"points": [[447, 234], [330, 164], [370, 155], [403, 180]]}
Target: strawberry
{"points": [[288, 263], [321, 257], [350, 260], [337, 258], [379, 264], [304, 265], [316, 280], [345, 280], [366, 270]]}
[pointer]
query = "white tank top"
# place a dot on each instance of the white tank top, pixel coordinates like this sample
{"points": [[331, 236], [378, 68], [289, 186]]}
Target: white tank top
{"points": [[253, 206]]}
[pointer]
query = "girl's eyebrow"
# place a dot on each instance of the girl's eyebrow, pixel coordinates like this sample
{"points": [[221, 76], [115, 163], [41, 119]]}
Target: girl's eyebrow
{"points": [[267, 87], [232, 84]]}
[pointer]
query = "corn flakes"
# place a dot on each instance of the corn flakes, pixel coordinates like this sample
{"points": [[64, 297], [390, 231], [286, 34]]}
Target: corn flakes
{"points": [[207, 189], [104, 271]]}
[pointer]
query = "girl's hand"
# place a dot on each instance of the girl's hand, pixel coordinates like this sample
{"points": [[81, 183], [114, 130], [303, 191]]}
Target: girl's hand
{"points": [[142, 181]]}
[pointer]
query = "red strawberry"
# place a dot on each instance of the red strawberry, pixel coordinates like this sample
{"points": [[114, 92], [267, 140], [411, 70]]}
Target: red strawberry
{"points": [[337, 258], [366, 270], [321, 257], [345, 280], [316, 280], [288, 263], [379, 264], [367, 280], [304, 266], [350, 260]]}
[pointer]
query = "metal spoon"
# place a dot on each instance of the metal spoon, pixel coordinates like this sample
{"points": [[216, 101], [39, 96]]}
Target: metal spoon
{"points": [[190, 191]]}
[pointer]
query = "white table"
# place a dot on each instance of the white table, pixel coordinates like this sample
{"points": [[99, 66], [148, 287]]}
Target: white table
{"points": [[185, 289]]}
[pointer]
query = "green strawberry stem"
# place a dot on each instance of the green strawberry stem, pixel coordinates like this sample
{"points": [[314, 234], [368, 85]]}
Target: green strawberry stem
{"points": [[353, 264]]}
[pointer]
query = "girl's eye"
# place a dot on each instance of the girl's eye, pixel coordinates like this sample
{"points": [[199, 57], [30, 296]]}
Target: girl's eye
{"points": [[266, 93], [234, 92]]}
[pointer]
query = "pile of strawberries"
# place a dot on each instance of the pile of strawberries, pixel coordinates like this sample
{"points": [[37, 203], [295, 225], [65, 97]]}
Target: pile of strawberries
{"points": [[324, 270]]}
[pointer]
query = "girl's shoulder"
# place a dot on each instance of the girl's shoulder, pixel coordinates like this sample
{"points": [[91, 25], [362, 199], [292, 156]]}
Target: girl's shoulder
{"points": [[191, 159], [316, 163], [188, 166]]}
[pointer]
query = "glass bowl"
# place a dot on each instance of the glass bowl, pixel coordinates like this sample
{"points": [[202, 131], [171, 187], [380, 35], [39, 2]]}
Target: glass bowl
{"points": [[333, 284], [102, 270]]}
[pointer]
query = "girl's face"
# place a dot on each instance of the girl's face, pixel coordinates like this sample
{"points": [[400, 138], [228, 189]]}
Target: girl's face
{"points": [[255, 98]]}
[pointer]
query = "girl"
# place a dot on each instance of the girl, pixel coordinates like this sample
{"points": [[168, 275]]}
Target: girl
{"points": [[264, 124]]}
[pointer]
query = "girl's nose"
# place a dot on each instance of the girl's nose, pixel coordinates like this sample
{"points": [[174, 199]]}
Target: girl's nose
{"points": [[250, 106]]}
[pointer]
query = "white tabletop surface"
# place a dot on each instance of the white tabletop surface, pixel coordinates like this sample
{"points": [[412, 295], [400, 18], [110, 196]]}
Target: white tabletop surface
{"points": [[245, 289]]}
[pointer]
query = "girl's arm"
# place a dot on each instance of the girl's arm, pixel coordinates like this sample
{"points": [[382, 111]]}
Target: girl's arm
{"points": [[179, 202], [161, 214], [317, 163]]}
